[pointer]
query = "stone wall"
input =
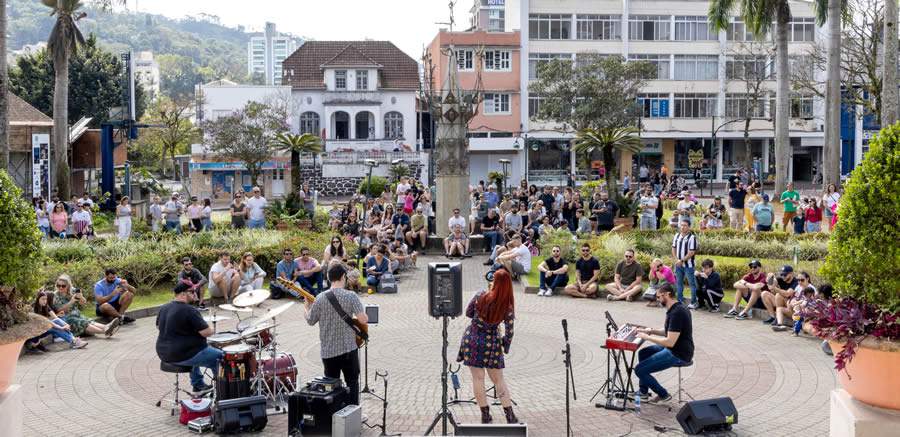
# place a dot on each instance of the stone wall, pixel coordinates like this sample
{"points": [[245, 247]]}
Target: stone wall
{"points": [[347, 185]]}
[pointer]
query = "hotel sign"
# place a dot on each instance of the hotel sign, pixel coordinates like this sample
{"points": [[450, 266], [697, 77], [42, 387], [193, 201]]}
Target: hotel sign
{"points": [[493, 2]]}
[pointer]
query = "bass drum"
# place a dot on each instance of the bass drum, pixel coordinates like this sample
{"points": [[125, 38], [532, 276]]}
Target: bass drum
{"points": [[285, 366]]}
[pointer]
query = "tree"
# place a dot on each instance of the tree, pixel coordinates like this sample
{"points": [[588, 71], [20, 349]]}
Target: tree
{"points": [[608, 141], [889, 90], [4, 90], [830, 13], [171, 130], [759, 18], [297, 144], [248, 136]]}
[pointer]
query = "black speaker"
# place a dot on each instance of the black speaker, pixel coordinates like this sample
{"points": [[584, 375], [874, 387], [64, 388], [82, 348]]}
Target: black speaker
{"points": [[445, 289], [490, 430], [240, 415], [310, 408], [707, 415]]}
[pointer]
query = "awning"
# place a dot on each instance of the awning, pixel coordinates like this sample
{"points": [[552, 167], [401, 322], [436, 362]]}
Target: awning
{"points": [[236, 166]]}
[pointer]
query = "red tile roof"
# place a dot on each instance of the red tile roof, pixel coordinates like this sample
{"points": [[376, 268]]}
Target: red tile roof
{"points": [[23, 114], [304, 69]]}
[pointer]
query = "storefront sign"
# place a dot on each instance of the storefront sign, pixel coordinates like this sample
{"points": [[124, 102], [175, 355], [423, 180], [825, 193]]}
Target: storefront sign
{"points": [[235, 165], [695, 158], [494, 2], [651, 148], [40, 165]]}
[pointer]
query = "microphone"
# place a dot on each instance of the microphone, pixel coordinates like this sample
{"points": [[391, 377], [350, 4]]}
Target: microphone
{"points": [[565, 325]]}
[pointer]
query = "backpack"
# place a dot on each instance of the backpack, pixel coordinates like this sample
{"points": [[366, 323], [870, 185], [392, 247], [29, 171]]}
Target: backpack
{"points": [[387, 284]]}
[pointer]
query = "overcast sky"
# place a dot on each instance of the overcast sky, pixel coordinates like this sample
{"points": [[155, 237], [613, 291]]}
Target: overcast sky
{"points": [[409, 24]]}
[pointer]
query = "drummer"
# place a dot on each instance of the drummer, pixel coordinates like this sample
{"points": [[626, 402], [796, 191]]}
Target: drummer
{"points": [[182, 337]]}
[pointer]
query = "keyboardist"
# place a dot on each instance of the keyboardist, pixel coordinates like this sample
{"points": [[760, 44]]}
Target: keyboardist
{"points": [[672, 346]]}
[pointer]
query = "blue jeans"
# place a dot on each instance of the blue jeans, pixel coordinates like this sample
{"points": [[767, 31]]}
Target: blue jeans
{"points": [[372, 280], [555, 280], [208, 357], [207, 223], [652, 359], [494, 238], [173, 225], [680, 273], [45, 230], [313, 284], [256, 223], [56, 333]]}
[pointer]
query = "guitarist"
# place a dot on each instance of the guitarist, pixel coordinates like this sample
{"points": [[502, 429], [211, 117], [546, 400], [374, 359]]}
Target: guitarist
{"points": [[336, 334]]}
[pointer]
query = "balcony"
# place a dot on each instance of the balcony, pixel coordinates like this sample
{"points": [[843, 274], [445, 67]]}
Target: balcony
{"points": [[353, 98], [369, 145]]}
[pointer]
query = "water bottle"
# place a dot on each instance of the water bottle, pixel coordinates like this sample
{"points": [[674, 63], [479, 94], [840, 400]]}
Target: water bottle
{"points": [[637, 403]]}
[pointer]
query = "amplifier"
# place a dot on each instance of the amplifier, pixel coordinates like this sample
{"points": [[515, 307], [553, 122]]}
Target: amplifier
{"points": [[347, 422], [491, 429], [241, 415], [310, 409], [707, 415]]}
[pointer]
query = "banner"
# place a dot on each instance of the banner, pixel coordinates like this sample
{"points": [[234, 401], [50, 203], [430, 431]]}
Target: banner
{"points": [[40, 165]]}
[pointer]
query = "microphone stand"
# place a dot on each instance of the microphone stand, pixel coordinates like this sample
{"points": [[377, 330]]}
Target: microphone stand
{"points": [[570, 377]]}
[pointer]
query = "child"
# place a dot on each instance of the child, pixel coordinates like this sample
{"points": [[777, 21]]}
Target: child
{"points": [[584, 224], [709, 286], [797, 304], [799, 220]]}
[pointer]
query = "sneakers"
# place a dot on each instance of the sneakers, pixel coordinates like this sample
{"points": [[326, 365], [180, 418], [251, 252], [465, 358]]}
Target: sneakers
{"points": [[769, 320], [127, 320], [741, 316], [779, 328], [543, 292], [692, 306], [714, 309], [79, 344], [659, 399], [489, 262], [202, 388], [112, 328], [730, 314]]}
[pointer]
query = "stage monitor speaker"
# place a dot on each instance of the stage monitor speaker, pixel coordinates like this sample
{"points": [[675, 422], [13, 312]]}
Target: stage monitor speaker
{"points": [[241, 415], [445, 289], [347, 422], [490, 430], [707, 415]]}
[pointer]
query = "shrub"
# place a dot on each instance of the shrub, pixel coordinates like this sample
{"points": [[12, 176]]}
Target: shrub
{"points": [[66, 251], [562, 238], [20, 244], [587, 190], [376, 186], [864, 254]]}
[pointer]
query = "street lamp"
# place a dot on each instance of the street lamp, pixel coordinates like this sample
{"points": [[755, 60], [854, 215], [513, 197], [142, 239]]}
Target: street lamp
{"points": [[505, 164], [371, 163]]}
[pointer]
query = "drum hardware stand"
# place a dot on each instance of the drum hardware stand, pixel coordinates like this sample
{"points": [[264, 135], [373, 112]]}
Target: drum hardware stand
{"points": [[456, 400], [491, 393], [279, 389], [384, 404], [445, 414], [570, 376]]}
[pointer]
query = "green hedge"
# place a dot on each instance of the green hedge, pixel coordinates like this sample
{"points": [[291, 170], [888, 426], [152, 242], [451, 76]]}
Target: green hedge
{"points": [[743, 245], [19, 238]]}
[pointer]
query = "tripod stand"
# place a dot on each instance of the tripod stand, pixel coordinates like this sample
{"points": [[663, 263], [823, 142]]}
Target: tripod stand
{"points": [[384, 404], [570, 377], [456, 400], [444, 415], [366, 388]]}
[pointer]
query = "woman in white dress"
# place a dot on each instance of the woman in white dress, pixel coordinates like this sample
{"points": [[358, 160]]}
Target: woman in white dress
{"points": [[830, 197], [123, 218]]}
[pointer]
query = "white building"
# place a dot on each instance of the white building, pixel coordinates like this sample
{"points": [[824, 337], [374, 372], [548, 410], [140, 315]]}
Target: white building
{"points": [[697, 87], [146, 71], [356, 95], [267, 50]]}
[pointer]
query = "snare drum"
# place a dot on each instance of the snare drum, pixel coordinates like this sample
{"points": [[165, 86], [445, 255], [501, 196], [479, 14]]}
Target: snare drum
{"points": [[260, 336], [223, 339], [240, 354], [286, 369]]}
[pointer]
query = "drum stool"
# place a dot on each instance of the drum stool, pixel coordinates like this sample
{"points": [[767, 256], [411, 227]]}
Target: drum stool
{"points": [[681, 390], [177, 370]]}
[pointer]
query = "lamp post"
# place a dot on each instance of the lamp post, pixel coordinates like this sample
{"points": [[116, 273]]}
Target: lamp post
{"points": [[522, 141], [505, 164], [371, 163], [396, 162], [715, 130]]}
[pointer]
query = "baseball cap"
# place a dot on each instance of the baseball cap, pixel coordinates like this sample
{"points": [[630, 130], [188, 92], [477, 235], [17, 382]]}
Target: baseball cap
{"points": [[181, 287], [755, 263], [785, 269], [765, 197]]}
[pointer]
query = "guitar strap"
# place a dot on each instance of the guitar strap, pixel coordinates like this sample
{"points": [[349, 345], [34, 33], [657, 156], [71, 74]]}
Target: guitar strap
{"points": [[332, 299]]}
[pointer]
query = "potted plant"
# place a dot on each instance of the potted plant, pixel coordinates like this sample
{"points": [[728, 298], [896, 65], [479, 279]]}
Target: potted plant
{"points": [[20, 249], [862, 323], [629, 207], [302, 219]]}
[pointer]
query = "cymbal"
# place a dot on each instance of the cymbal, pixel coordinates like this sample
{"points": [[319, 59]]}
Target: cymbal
{"points": [[272, 313], [251, 298], [234, 309], [215, 318], [251, 332]]}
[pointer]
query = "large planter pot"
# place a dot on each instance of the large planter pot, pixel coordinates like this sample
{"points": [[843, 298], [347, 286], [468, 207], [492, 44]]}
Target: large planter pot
{"points": [[9, 357], [11, 342], [623, 223], [872, 376], [304, 224]]}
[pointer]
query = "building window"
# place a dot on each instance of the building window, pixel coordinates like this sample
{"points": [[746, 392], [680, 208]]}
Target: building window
{"points": [[362, 80], [802, 67], [598, 27], [549, 26], [393, 125], [649, 27], [534, 106], [801, 106], [660, 61], [464, 60], [654, 105], [537, 59], [694, 28], [496, 60], [695, 105], [743, 106], [496, 103], [309, 123], [746, 67], [496, 20], [696, 67], [340, 79], [802, 29], [737, 31]]}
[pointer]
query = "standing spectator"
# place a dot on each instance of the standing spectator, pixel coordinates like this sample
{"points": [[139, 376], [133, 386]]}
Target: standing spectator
{"points": [[749, 288], [736, 198], [82, 222], [627, 280], [59, 221], [43, 217], [799, 219], [548, 199], [750, 202], [256, 214], [238, 212], [283, 270], [648, 204], [194, 213], [173, 210], [644, 174], [308, 196], [113, 296], [402, 187], [308, 272], [605, 210], [569, 206], [710, 286], [194, 280], [764, 215], [830, 198], [684, 246], [206, 215], [251, 273], [626, 183], [813, 216], [155, 214], [789, 199], [418, 230], [735, 179], [660, 205], [123, 218], [554, 272]]}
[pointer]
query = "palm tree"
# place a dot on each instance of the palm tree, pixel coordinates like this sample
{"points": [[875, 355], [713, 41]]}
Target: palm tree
{"points": [[607, 141], [297, 144], [4, 88], [759, 17], [889, 75]]}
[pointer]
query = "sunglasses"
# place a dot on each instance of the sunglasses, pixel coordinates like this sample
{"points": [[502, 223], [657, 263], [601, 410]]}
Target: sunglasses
{"points": [[629, 256], [61, 285]]}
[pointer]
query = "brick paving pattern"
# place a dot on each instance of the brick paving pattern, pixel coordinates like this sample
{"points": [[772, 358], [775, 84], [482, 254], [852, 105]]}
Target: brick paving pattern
{"points": [[780, 384]]}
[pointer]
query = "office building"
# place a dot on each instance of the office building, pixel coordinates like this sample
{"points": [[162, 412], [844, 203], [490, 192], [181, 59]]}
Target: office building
{"points": [[267, 50]]}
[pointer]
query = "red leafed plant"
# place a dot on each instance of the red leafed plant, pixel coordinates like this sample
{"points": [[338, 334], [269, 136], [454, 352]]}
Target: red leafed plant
{"points": [[852, 321]]}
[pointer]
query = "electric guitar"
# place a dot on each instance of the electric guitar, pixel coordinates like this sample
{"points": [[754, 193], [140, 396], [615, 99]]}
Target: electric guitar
{"points": [[298, 292]]}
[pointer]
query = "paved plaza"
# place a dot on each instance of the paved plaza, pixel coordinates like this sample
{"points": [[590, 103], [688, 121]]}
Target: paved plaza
{"points": [[780, 384]]}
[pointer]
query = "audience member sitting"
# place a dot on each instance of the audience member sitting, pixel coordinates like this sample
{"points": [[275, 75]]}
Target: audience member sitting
{"points": [[67, 303], [401, 257], [659, 274], [512, 221], [627, 280], [82, 222], [285, 270], [334, 251], [351, 227], [193, 279], [308, 272], [251, 274], [490, 228], [400, 225], [516, 257], [749, 288], [546, 228], [60, 328], [225, 279], [714, 215], [709, 286], [457, 243], [554, 273], [387, 223], [584, 224], [418, 232], [376, 267], [334, 217], [587, 275], [791, 307], [778, 291], [456, 220], [113, 296]]}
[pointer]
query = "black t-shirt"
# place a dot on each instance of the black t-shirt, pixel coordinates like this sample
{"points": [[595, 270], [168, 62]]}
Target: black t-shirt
{"points": [[608, 217], [714, 282], [678, 319], [488, 222], [785, 285], [548, 200], [586, 268], [737, 198], [179, 332], [553, 265], [733, 181]]}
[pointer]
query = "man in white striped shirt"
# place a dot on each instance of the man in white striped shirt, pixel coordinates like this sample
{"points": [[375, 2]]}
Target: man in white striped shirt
{"points": [[684, 246]]}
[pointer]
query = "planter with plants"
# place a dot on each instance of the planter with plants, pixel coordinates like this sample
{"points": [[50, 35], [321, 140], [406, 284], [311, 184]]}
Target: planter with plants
{"points": [[862, 323]]}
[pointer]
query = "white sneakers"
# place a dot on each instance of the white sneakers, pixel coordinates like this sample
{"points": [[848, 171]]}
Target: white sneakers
{"points": [[546, 292]]}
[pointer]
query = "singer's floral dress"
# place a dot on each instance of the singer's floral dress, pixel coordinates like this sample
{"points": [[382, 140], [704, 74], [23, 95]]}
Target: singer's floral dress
{"points": [[482, 344]]}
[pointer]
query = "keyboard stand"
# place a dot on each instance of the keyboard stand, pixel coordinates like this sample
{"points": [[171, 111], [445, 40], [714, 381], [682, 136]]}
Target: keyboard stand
{"points": [[617, 386]]}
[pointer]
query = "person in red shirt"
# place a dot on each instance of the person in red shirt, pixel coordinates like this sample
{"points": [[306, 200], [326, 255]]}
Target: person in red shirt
{"points": [[749, 288], [813, 216]]}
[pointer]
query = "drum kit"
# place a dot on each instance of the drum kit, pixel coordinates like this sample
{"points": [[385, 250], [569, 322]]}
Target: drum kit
{"points": [[252, 363]]}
